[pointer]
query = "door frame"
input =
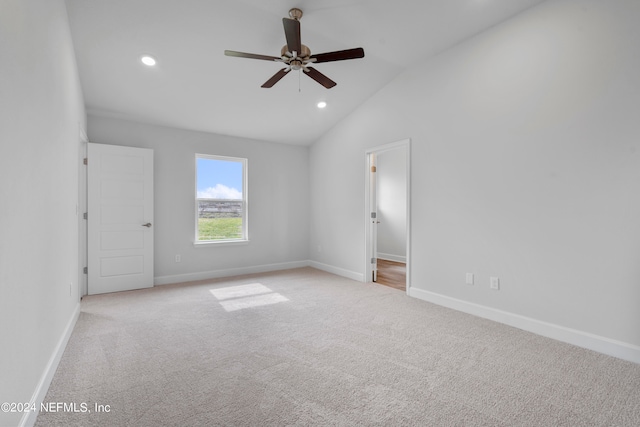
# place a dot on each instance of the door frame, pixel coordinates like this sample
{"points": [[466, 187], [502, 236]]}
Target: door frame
{"points": [[82, 209], [404, 143]]}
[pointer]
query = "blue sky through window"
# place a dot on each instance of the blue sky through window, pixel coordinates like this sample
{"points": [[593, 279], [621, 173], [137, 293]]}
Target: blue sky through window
{"points": [[219, 179]]}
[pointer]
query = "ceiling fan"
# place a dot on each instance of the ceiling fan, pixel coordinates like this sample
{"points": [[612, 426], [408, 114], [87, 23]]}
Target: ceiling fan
{"points": [[297, 56]]}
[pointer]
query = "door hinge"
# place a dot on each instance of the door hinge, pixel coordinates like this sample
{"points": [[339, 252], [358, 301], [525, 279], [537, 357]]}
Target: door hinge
{"points": [[373, 260], [85, 270], [85, 161], [85, 215], [373, 169]]}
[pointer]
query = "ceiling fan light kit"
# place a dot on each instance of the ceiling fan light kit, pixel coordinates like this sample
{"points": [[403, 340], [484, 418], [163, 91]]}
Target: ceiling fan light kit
{"points": [[297, 56]]}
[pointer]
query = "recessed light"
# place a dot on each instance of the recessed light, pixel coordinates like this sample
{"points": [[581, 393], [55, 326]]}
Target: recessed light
{"points": [[322, 104], [148, 60]]}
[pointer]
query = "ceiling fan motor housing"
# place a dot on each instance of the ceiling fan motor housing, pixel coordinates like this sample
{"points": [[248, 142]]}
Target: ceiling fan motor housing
{"points": [[306, 52], [295, 62]]}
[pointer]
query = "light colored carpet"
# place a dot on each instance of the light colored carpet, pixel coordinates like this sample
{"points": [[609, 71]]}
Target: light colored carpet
{"points": [[303, 347]]}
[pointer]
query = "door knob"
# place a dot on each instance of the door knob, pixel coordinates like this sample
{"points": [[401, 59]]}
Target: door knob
{"points": [[148, 225]]}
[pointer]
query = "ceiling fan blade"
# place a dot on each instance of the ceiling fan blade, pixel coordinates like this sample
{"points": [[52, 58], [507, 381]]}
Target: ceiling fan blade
{"points": [[319, 77], [292, 34], [339, 55], [251, 55], [276, 78]]}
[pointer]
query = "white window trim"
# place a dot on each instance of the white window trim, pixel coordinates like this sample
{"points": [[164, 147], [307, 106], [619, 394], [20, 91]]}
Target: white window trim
{"points": [[245, 199]]}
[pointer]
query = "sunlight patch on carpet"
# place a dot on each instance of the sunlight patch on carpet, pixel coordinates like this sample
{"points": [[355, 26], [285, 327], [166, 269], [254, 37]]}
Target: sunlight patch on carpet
{"points": [[246, 296]]}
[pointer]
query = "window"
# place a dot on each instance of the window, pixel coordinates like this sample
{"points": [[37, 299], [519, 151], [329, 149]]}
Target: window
{"points": [[221, 199]]}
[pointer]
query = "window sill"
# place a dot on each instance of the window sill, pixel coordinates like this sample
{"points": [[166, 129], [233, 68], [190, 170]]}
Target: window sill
{"points": [[210, 243]]}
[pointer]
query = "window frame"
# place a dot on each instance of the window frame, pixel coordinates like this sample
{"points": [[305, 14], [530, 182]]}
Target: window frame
{"points": [[245, 202]]}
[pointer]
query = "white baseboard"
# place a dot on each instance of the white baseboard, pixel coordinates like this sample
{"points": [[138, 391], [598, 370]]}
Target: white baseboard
{"points": [[391, 257], [29, 418], [582, 339], [229, 272], [338, 271]]}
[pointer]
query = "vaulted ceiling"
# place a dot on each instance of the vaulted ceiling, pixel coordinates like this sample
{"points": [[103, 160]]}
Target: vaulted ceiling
{"points": [[195, 86]]}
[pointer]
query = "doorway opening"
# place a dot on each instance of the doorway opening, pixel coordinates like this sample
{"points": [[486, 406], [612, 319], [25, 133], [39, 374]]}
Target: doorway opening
{"points": [[387, 215]]}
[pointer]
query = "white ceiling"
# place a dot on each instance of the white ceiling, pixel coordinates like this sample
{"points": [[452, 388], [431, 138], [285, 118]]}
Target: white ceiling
{"points": [[195, 86]]}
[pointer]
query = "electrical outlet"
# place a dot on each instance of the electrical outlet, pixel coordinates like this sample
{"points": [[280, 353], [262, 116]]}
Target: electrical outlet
{"points": [[469, 279], [494, 283], [178, 258]]}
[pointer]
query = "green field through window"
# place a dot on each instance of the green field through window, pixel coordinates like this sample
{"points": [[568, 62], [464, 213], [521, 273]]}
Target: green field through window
{"points": [[219, 228]]}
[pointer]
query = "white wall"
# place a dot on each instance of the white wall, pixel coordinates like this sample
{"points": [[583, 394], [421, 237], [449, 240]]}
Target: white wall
{"points": [[41, 109], [278, 200], [392, 204], [525, 166]]}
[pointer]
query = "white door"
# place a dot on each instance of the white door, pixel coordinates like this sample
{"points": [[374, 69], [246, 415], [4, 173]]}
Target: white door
{"points": [[120, 218]]}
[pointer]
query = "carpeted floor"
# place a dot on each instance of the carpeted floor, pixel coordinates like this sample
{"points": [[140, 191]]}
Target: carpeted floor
{"points": [[303, 347]]}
